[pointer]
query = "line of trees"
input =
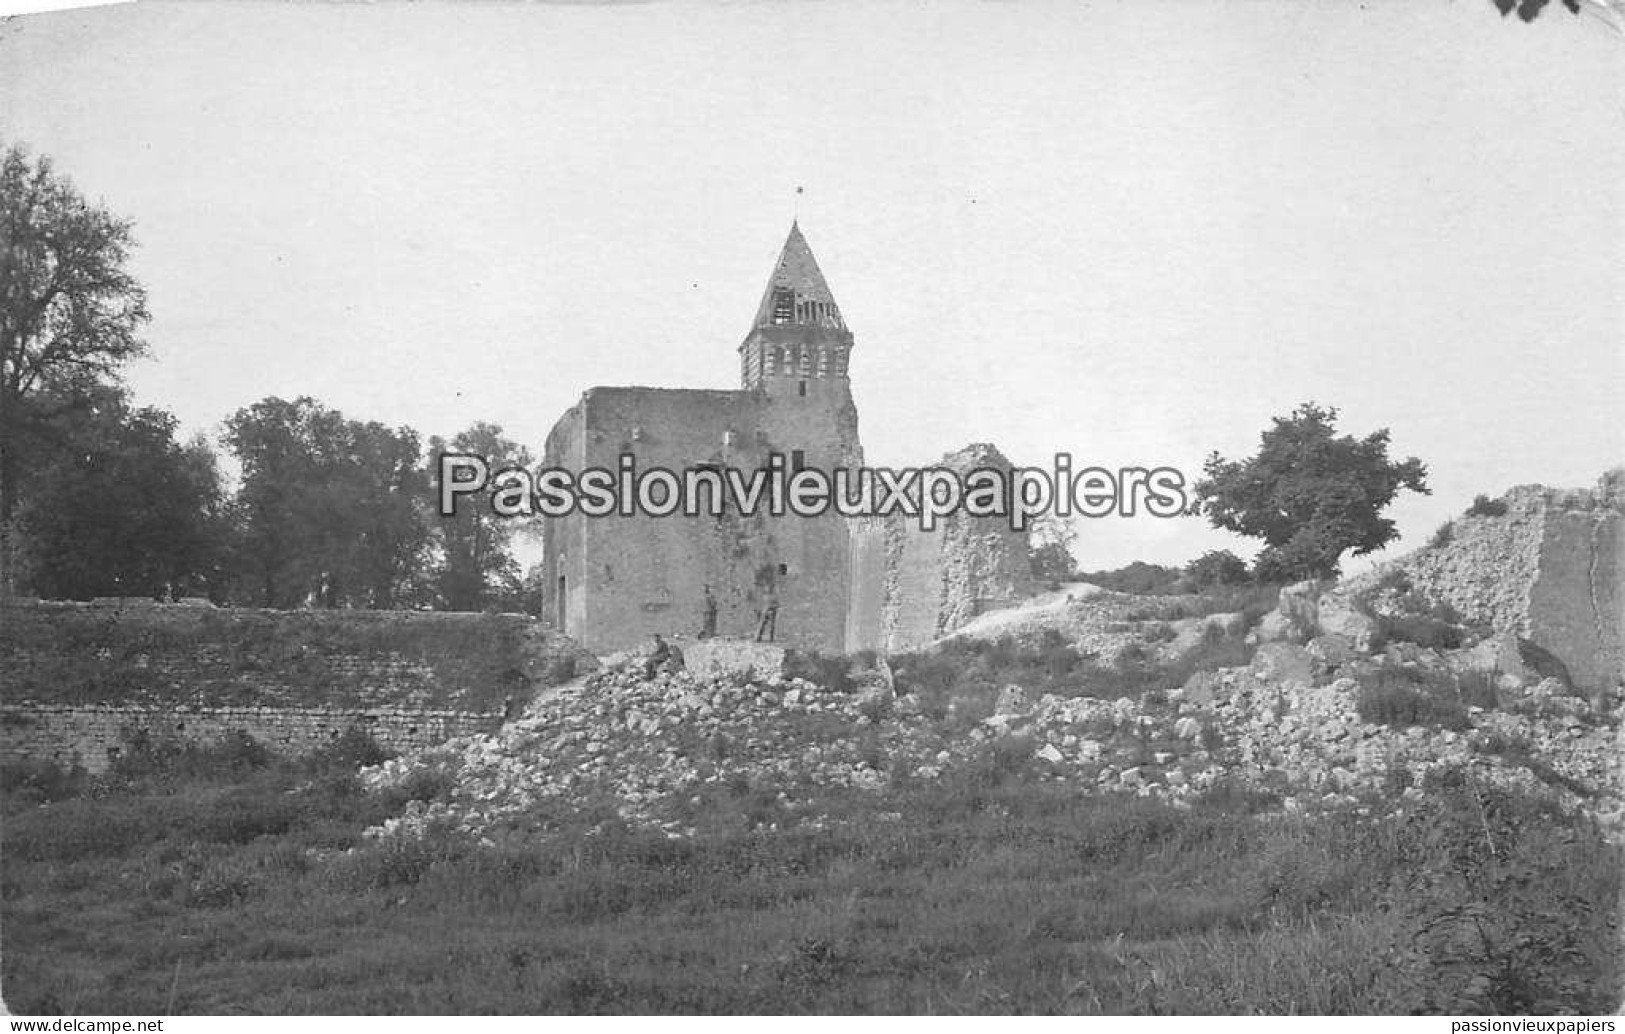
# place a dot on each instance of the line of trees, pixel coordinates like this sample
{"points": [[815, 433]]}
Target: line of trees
{"points": [[99, 497], [329, 512]]}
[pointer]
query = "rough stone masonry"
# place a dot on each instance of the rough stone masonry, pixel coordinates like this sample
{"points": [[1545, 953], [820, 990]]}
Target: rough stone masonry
{"points": [[78, 680], [1550, 569]]}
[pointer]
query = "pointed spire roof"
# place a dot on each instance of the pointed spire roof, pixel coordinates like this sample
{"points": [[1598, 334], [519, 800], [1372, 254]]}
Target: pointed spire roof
{"points": [[797, 291]]}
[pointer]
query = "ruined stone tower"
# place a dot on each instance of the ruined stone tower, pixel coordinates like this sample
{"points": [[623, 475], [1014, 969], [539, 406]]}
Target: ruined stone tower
{"points": [[614, 581], [840, 584], [798, 337]]}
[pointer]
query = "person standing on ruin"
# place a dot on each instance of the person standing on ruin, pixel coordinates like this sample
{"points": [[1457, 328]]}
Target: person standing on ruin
{"points": [[769, 625], [708, 628]]}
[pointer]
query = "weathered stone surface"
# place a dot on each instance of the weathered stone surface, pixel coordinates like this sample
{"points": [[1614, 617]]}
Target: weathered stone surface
{"points": [[1294, 617], [1551, 570], [1497, 655], [721, 658], [1283, 662], [1201, 688], [1336, 615], [911, 587], [1331, 650]]}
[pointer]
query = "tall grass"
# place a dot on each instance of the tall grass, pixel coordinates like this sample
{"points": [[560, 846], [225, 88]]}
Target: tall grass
{"points": [[989, 890]]}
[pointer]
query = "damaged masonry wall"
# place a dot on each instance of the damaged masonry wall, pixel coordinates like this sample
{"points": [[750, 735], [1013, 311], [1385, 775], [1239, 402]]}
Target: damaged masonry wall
{"points": [[1551, 569], [911, 587], [76, 678]]}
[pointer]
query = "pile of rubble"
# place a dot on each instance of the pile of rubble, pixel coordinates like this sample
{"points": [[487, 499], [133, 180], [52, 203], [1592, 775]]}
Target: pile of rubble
{"points": [[648, 741], [652, 744]]}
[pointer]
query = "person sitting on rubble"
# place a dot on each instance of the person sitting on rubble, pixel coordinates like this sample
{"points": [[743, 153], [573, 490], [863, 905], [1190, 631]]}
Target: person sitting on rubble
{"points": [[663, 658]]}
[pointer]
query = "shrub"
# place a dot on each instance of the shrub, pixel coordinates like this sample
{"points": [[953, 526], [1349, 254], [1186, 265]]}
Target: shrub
{"points": [[560, 669], [1051, 562], [1506, 915], [429, 783], [1417, 620], [1137, 579], [1251, 601], [145, 756], [1545, 663], [242, 815], [43, 781], [352, 749], [1405, 698], [831, 672], [1478, 689], [927, 675], [395, 861], [1424, 630], [1217, 567], [1231, 795], [1160, 632], [1395, 581], [998, 761], [876, 707], [1441, 536], [1484, 506]]}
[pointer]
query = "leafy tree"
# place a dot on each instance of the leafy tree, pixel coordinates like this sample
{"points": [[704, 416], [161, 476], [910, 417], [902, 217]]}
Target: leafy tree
{"points": [[1216, 567], [477, 567], [1529, 9], [332, 512], [527, 595], [1050, 549], [120, 508], [1309, 494], [1610, 11], [69, 313]]}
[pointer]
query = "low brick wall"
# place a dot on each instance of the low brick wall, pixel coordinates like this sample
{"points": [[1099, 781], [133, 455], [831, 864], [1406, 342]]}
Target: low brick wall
{"points": [[77, 678], [93, 736]]}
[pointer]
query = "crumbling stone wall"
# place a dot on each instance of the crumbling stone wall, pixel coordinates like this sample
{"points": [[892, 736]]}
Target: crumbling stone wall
{"points": [[1551, 569], [75, 677], [911, 587], [93, 736]]}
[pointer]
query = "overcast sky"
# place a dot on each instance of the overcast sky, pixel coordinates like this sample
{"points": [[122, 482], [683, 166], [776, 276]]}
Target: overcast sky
{"points": [[1133, 232]]}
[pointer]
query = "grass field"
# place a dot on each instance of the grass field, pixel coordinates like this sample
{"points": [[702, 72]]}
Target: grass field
{"points": [[224, 882]]}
